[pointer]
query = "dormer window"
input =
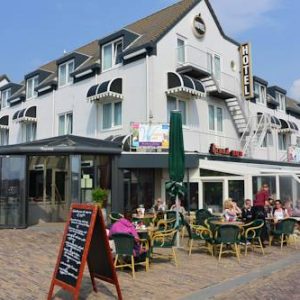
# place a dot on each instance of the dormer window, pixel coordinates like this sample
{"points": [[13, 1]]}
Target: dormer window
{"points": [[64, 71], [260, 93], [281, 100], [111, 54], [31, 84], [4, 96]]}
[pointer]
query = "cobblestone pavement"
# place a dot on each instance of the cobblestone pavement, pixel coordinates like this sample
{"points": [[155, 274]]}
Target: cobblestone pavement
{"points": [[27, 261]]}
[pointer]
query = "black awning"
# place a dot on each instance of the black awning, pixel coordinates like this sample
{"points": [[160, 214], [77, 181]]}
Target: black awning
{"points": [[4, 122], [292, 126], [25, 115], [295, 126], [275, 122], [65, 144], [107, 89], [287, 126], [178, 83], [18, 114]]}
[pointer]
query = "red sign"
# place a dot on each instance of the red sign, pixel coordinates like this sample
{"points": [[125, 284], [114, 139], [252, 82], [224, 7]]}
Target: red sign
{"points": [[225, 151], [84, 241]]}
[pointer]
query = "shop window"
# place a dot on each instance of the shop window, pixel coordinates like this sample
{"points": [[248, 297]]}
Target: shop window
{"points": [[111, 54], [260, 93], [259, 181], [64, 71], [282, 141], [31, 84], [281, 100], [215, 118], [236, 191], [65, 124], [4, 96], [4, 136], [112, 115], [29, 132], [180, 51], [213, 196], [177, 104]]}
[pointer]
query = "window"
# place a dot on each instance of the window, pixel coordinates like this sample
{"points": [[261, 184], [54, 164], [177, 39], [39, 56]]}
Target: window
{"points": [[111, 54], [4, 134], [177, 104], [5, 95], [215, 118], [260, 93], [112, 115], [65, 124], [268, 140], [64, 71], [214, 65], [281, 100], [29, 132], [180, 51], [31, 84], [282, 141]]}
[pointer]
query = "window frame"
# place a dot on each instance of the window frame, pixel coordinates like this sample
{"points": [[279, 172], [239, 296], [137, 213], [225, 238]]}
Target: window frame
{"points": [[4, 137], [281, 100], [215, 118], [32, 130], [64, 115], [34, 93], [177, 100], [113, 45], [283, 142], [67, 74], [261, 93], [112, 123], [5, 92], [179, 38]]}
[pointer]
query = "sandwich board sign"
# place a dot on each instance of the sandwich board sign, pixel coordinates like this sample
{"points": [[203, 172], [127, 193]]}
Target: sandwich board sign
{"points": [[84, 241]]}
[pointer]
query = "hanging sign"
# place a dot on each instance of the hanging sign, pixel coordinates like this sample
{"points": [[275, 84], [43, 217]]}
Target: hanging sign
{"points": [[84, 240], [199, 26], [246, 72]]}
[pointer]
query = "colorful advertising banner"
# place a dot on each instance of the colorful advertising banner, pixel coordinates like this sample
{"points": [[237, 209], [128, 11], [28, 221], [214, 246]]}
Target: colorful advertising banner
{"points": [[293, 154], [145, 135]]}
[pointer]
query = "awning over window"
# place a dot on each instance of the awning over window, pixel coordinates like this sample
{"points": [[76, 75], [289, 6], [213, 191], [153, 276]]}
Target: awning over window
{"points": [[25, 115], [178, 84], [4, 122], [108, 89], [275, 122], [288, 126]]}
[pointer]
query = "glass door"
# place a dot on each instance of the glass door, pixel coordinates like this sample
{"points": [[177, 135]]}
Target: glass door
{"points": [[212, 193]]}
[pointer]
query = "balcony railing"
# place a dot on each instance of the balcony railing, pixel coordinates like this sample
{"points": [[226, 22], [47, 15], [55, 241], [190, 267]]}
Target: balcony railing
{"points": [[188, 57]]}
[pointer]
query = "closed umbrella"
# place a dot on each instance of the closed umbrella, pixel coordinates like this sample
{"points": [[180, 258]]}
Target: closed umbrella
{"points": [[175, 186]]}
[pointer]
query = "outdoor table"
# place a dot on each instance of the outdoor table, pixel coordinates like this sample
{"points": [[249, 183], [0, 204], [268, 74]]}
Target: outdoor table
{"points": [[237, 223], [146, 218]]}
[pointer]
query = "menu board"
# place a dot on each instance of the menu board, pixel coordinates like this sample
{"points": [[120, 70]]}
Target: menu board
{"points": [[70, 261]]}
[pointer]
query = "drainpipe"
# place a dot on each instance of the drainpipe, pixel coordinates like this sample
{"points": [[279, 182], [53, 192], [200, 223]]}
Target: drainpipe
{"points": [[53, 113], [147, 89]]}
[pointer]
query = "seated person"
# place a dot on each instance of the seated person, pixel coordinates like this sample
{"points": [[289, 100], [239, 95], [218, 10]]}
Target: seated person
{"points": [[236, 208], [279, 212], [159, 205], [178, 206], [296, 210], [247, 212], [124, 226], [229, 211], [268, 208], [288, 205]]}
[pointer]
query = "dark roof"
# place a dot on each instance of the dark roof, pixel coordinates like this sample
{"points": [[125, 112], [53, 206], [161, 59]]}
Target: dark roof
{"points": [[64, 144], [152, 28], [4, 76], [272, 89], [260, 80], [292, 106]]}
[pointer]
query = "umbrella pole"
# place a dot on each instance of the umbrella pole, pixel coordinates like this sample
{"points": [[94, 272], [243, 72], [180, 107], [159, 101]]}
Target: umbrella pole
{"points": [[177, 223]]}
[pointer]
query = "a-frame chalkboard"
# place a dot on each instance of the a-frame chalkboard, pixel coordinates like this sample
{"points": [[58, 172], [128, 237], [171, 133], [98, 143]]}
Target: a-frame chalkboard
{"points": [[84, 240]]}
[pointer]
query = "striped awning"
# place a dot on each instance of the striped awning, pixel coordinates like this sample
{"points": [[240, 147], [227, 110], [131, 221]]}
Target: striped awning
{"points": [[275, 122], [25, 115], [106, 90], [288, 126], [178, 84], [4, 122]]}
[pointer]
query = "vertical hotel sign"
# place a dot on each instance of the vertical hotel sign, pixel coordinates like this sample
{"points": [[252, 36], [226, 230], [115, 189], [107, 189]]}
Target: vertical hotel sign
{"points": [[247, 78]]}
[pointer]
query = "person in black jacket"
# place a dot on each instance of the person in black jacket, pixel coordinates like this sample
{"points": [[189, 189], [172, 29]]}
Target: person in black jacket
{"points": [[247, 212]]}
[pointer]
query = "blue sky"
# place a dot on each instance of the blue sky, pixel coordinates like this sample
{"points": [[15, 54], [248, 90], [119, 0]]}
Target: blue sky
{"points": [[34, 32]]}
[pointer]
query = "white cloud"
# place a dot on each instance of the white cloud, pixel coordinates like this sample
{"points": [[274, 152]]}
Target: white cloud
{"points": [[237, 16], [295, 89]]}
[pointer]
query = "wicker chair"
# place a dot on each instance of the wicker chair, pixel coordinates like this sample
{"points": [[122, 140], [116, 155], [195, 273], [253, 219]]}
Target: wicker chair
{"points": [[284, 231], [124, 244], [201, 216]]}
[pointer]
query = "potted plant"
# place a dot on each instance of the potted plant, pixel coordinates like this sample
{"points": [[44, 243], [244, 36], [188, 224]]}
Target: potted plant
{"points": [[99, 196]]}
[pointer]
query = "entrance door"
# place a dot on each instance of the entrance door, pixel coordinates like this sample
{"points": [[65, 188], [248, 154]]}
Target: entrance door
{"points": [[213, 195]]}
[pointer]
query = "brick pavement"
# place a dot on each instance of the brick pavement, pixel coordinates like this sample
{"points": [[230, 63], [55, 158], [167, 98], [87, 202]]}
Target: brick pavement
{"points": [[27, 260]]}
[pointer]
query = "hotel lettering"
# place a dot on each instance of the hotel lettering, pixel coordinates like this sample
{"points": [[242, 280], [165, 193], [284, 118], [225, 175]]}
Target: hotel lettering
{"points": [[247, 80]]}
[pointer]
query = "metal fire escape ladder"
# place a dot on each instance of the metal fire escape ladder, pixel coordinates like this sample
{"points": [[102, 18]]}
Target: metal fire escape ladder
{"points": [[211, 84]]}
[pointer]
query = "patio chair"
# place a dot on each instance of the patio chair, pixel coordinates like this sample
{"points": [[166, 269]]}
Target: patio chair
{"points": [[201, 216], [164, 225], [228, 235], [200, 234], [284, 231], [124, 244], [164, 240], [210, 225], [115, 216], [251, 234]]}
